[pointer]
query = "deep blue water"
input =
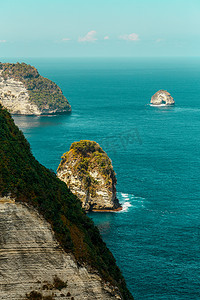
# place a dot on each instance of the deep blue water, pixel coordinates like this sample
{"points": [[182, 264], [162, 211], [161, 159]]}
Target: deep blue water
{"points": [[155, 153]]}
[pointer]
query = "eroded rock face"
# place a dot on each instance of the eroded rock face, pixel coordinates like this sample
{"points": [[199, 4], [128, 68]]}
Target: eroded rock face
{"points": [[31, 260], [23, 91], [88, 172], [162, 97], [14, 96]]}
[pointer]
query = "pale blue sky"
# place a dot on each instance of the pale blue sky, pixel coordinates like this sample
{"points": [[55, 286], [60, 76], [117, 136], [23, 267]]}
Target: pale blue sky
{"points": [[65, 28]]}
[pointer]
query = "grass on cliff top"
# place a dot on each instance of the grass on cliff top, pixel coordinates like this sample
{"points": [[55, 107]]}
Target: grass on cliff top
{"points": [[43, 92], [86, 147], [89, 156], [23, 177]]}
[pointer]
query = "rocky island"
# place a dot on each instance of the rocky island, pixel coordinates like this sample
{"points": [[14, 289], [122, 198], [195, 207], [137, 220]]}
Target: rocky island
{"points": [[49, 248], [23, 91], [88, 172], [162, 97]]}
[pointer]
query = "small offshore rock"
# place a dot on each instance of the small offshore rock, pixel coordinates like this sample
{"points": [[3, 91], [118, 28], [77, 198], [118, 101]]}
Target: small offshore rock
{"points": [[162, 97]]}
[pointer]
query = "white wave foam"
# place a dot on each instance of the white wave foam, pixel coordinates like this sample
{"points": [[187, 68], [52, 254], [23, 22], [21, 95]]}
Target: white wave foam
{"points": [[135, 197], [129, 200], [126, 206], [158, 105], [124, 195]]}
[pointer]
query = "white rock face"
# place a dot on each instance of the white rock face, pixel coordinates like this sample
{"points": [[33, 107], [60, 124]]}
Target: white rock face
{"points": [[104, 199], [30, 258], [88, 172], [162, 97], [14, 97]]}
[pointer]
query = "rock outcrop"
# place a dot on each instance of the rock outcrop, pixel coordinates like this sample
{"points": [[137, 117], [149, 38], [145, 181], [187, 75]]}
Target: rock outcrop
{"points": [[14, 96], [88, 172], [32, 263], [162, 97], [49, 248], [24, 91]]}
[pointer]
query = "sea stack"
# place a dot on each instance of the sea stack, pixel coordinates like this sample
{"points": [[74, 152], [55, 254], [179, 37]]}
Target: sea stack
{"points": [[88, 172], [23, 91], [162, 97]]}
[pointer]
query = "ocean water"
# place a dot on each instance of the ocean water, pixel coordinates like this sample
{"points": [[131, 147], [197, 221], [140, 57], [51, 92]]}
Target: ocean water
{"points": [[155, 153]]}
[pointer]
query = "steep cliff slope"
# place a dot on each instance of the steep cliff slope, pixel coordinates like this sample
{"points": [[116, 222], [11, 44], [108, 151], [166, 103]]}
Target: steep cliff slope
{"points": [[88, 172], [31, 194], [33, 263], [24, 91]]}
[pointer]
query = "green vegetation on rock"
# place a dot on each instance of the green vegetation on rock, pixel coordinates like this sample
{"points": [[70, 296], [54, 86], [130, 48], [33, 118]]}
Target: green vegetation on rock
{"points": [[89, 155], [43, 92], [25, 179]]}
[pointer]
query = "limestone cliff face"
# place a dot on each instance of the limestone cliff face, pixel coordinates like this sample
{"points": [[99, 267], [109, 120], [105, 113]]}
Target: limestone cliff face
{"points": [[33, 264], [88, 172], [162, 97], [24, 91], [14, 96]]}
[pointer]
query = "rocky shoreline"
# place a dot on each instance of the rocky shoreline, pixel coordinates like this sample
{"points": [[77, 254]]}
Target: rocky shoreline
{"points": [[108, 210]]}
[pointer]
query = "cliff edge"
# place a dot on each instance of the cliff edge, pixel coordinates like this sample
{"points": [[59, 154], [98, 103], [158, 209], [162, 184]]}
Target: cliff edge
{"points": [[49, 248], [88, 172], [23, 91]]}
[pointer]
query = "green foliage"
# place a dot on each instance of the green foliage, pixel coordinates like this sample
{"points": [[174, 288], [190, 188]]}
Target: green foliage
{"points": [[104, 163], [82, 165], [90, 155], [85, 147], [42, 91], [25, 179]]}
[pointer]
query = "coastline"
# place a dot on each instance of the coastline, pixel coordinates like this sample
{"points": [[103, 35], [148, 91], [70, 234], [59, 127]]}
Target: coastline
{"points": [[108, 210]]}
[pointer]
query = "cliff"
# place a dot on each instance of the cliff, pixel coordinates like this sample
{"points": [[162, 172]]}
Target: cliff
{"points": [[162, 97], [33, 263], [24, 91], [49, 248], [88, 172]]}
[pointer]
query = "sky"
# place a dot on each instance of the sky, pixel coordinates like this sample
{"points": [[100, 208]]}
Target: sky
{"points": [[99, 28]]}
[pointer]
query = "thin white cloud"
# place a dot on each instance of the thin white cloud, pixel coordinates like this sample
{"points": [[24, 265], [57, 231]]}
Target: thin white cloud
{"points": [[159, 40], [89, 37], [2, 41], [66, 39], [129, 37], [106, 37]]}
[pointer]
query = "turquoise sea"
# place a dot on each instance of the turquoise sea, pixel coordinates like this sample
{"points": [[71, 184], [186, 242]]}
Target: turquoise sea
{"points": [[155, 153]]}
